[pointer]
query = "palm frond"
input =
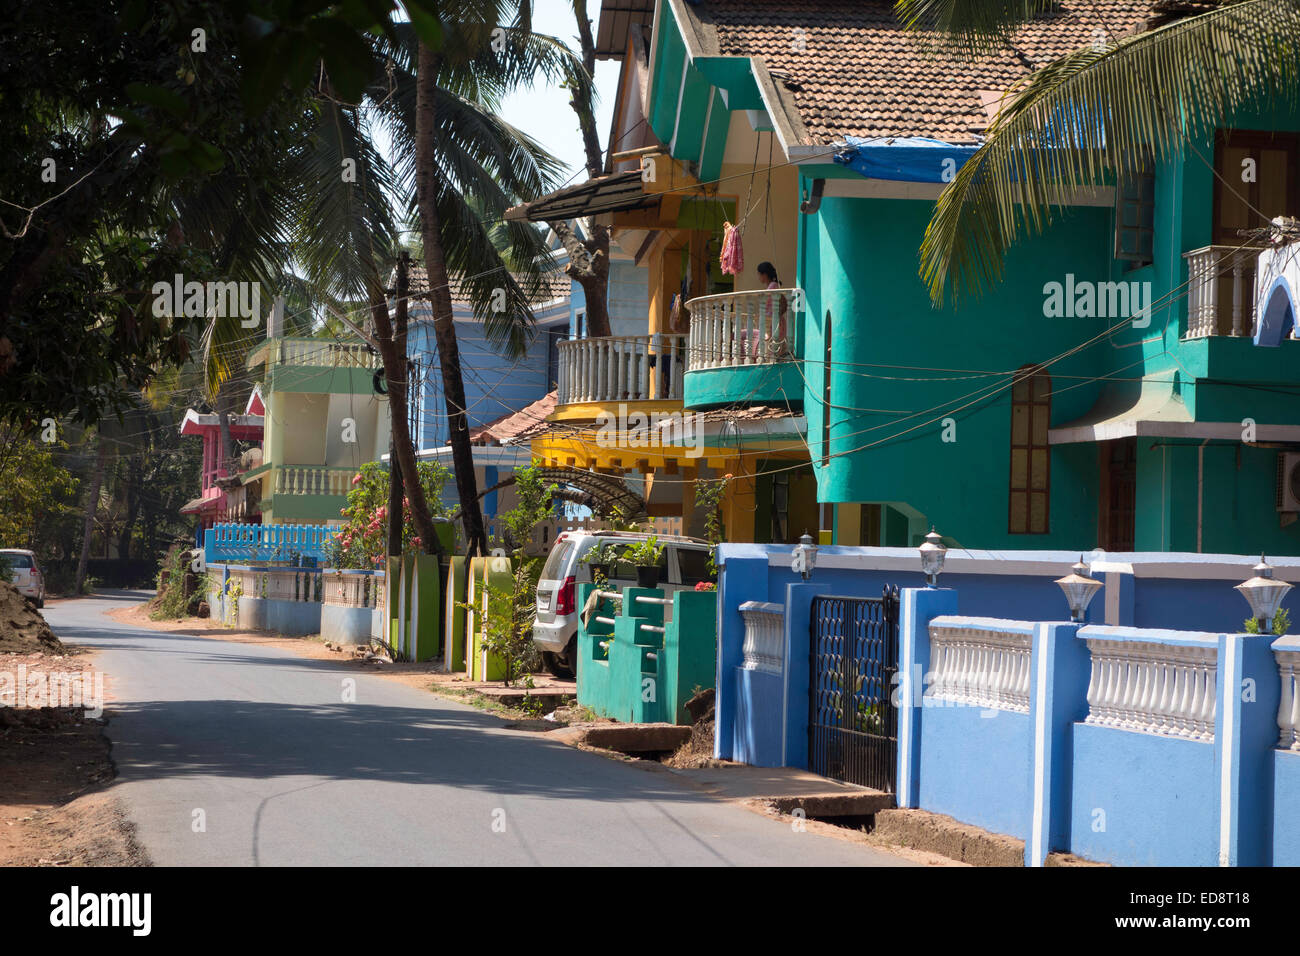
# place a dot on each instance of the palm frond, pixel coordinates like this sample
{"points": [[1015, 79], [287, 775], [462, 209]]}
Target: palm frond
{"points": [[1102, 111], [345, 233], [970, 27]]}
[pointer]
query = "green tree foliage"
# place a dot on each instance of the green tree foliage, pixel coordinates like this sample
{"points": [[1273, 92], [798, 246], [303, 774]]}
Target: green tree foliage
{"points": [[362, 542], [36, 494]]}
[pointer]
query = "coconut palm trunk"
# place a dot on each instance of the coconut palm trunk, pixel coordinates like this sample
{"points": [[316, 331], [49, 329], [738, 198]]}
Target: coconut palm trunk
{"points": [[435, 263], [395, 373]]}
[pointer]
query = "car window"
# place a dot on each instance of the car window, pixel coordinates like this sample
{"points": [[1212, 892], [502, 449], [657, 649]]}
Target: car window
{"points": [[694, 566], [557, 562], [16, 560]]}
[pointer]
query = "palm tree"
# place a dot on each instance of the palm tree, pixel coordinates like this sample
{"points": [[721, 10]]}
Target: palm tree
{"points": [[456, 167], [1105, 109]]}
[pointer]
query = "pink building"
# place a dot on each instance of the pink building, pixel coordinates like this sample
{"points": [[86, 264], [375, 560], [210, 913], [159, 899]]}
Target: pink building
{"points": [[222, 496]]}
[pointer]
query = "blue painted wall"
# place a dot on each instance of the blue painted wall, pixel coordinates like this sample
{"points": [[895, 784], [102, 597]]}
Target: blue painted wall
{"points": [[1286, 808], [975, 766], [1154, 797]]}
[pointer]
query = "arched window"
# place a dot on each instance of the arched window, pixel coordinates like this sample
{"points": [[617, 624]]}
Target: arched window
{"points": [[826, 395], [1028, 507]]}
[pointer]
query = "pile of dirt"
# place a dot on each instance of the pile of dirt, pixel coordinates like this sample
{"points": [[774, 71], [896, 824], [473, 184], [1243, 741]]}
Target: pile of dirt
{"points": [[697, 752], [22, 628]]}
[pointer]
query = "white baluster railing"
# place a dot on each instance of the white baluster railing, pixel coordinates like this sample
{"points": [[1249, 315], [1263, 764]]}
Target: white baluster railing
{"points": [[980, 666], [1153, 688], [742, 328], [1288, 710], [312, 480], [764, 647], [326, 353], [1211, 310], [630, 368]]}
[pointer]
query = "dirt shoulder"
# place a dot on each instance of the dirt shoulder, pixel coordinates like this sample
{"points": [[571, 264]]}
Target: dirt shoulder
{"points": [[55, 763]]}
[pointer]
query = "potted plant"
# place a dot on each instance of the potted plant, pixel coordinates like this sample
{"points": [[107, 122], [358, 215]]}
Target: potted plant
{"points": [[600, 559], [645, 556]]}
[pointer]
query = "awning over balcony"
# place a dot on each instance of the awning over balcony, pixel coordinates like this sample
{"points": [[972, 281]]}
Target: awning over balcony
{"points": [[1154, 411], [612, 193], [204, 505]]}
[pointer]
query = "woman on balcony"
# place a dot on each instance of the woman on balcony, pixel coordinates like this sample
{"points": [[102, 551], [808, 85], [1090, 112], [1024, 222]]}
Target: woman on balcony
{"points": [[775, 347]]}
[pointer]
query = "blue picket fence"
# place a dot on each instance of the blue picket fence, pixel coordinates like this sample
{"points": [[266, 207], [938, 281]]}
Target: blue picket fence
{"points": [[302, 544]]}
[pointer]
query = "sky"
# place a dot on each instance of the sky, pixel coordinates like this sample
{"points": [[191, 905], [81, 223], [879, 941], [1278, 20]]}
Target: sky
{"points": [[543, 111]]}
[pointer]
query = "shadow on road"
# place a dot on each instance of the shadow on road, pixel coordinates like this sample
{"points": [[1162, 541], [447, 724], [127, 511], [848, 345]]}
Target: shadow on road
{"points": [[445, 745]]}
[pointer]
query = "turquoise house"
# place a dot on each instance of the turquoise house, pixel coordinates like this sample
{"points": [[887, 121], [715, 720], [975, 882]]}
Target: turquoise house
{"points": [[1115, 389]]}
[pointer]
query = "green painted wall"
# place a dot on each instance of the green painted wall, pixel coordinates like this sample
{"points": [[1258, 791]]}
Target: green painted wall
{"points": [[901, 367], [748, 384]]}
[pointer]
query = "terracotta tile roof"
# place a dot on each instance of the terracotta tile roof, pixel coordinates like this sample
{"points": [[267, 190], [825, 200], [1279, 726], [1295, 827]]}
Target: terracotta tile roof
{"points": [[515, 426], [853, 71], [752, 413], [555, 286]]}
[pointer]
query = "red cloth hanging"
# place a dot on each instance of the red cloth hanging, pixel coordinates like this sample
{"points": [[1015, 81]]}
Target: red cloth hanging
{"points": [[733, 255]]}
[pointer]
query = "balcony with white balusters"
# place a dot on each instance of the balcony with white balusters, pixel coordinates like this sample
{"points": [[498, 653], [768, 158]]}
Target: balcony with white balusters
{"points": [[621, 368], [743, 348]]}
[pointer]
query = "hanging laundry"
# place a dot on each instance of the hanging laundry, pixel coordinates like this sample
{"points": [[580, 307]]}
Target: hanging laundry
{"points": [[733, 255]]}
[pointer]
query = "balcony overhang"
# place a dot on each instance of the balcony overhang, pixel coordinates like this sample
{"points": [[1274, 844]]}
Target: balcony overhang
{"points": [[612, 193], [676, 444], [1155, 412]]}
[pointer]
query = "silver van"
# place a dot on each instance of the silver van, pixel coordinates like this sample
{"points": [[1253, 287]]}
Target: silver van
{"points": [[685, 563], [25, 574]]}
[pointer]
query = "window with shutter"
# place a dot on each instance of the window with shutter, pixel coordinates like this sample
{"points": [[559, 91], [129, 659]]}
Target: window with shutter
{"points": [[1028, 507]]}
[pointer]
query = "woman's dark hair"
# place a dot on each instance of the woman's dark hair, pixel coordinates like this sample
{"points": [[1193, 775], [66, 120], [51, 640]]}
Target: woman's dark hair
{"points": [[767, 269]]}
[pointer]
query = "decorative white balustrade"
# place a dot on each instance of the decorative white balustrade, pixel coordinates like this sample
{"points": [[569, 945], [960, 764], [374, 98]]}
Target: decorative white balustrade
{"points": [[742, 328], [312, 480], [1288, 711], [1153, 688], [1220, 291], [327, 353], [629, 368], [977, 666], [764, 647]]}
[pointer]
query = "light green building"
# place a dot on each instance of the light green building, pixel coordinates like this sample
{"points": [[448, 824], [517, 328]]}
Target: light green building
{"points": [[324, 419]]}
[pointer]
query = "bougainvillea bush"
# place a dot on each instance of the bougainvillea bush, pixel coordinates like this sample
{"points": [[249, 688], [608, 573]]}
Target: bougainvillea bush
{"points": [[362, 542]]}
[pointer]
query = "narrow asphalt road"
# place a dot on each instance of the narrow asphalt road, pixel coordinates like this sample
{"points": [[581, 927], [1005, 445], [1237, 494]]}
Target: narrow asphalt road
{"points": [[258, 746]]}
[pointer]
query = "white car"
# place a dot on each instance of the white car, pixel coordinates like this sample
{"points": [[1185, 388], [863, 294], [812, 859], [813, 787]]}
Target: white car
{"points": [[684, 564], [25, 574]]}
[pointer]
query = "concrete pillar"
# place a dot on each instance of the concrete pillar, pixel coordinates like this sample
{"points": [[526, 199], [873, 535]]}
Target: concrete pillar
{"points": [[1245, 735], [1058, 696], [917, 607], [742, 578]]}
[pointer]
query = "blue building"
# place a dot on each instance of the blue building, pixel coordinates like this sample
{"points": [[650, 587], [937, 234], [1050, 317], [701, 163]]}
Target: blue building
{"points": [[628, 294]]}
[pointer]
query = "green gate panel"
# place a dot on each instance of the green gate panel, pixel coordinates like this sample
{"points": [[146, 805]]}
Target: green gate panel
{"points": [[425, 629], [454, 617], [484, 572]]}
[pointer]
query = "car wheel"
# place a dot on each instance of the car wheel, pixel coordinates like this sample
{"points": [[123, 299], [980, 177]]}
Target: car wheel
{"points": [[559, 665], [40, 602]]}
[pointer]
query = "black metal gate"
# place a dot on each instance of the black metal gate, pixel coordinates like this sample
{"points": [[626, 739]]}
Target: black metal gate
{"points": [[852, 723]]}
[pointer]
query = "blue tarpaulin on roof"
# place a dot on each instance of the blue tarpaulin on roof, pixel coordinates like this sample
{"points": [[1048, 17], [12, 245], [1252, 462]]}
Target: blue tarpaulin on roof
{"points": [[911, 159]]}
